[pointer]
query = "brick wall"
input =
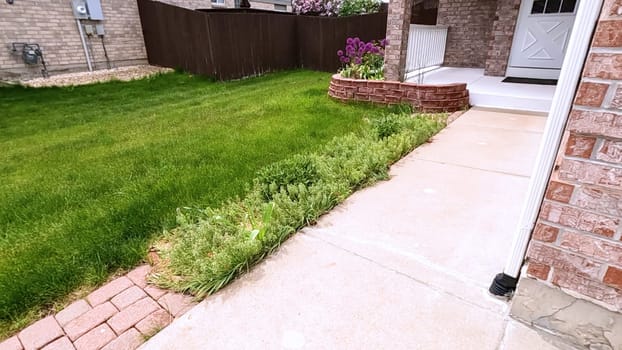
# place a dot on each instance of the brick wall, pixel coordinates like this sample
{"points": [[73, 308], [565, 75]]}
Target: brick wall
{"points": [[51, 24], [426, 98], [398, 24], [502, 36], [260, 5], [577, 242], [470, 27], [189, 4], [424, 12]]}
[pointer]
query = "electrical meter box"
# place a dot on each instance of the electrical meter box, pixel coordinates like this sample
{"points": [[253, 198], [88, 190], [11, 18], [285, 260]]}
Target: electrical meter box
{"points": [[95, 10], [87, 9], [80, 10], [99, 29]]}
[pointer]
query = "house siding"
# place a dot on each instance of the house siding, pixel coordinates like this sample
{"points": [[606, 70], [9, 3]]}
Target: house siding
{"points": [[470, 25], [502, 35], [577, 241]]}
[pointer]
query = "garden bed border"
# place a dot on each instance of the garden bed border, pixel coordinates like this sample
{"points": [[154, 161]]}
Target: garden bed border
{"points": [[426, 98]]}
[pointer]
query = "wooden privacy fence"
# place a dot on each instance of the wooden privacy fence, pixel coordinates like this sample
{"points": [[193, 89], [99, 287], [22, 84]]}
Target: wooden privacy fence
{"points": [[234, 43]]}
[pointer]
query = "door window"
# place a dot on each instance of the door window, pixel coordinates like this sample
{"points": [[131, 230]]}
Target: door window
{"points": [[553, 6]]}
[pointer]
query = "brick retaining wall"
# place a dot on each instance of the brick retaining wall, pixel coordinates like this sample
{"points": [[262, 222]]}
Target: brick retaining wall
{"points": [[427, 98]]}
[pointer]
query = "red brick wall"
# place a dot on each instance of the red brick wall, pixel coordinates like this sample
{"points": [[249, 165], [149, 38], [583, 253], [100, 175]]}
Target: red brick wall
{"points": [[470, 27], [502, 36], [424, 12], [427, 98], [577, 242], [398, 24]]}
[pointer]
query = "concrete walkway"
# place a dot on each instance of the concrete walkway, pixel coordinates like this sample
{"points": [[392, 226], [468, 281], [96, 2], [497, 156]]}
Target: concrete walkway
{"points": [[401, 265]]}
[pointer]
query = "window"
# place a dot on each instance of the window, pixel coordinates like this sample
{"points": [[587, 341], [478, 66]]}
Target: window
{"points": [[218, 2], [553, 6]]}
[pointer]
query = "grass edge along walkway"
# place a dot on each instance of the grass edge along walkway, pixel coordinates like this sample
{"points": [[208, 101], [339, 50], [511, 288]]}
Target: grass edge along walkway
{"points": [[210, 248], [91, 174]]}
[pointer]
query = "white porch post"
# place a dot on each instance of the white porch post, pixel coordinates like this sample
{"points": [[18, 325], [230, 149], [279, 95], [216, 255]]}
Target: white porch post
{"points": [[578, 46], [398, 25]]}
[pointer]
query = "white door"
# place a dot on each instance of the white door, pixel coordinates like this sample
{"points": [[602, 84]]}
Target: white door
{"points": [[541, 37]]}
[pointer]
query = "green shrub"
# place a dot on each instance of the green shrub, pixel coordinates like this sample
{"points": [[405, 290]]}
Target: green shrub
{"points": [[299, 169], [387, 125], [358, 7], [211, 247]]}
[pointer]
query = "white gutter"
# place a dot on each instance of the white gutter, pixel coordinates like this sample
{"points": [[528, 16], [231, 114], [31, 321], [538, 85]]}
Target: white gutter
{"points": [[570, 75]]}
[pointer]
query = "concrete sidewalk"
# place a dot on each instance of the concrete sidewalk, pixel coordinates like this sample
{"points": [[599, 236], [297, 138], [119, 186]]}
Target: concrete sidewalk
{"points": [[405, 264]]}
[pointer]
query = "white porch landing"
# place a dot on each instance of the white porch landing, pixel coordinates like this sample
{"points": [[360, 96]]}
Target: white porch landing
{"points": [[488, 91]]}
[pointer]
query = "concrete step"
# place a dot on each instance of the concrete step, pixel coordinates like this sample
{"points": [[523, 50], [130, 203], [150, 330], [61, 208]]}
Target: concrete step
{"points": [[522, 103]]}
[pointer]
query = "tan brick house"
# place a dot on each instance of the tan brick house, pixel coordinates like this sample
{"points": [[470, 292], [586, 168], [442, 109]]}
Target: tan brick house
{"points": [[566, 262], [52, 25]]}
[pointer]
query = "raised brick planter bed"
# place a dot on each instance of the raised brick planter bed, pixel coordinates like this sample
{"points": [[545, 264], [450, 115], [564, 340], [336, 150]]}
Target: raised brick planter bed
{"points": [[426, 98]]}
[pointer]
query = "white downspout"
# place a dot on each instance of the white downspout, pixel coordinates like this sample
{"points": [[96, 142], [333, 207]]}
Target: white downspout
{"points": [[570, 75]]}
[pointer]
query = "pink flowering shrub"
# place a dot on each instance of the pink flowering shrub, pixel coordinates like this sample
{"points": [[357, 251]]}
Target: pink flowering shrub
{"points": [[362, 60], [316, 7]]}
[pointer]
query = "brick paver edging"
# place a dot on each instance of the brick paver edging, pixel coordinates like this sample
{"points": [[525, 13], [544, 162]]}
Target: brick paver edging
{"points": [[119, 315], [426, 98]]}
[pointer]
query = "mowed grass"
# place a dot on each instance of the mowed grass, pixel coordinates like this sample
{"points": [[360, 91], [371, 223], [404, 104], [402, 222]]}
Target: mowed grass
{"points": [[89, 175]]}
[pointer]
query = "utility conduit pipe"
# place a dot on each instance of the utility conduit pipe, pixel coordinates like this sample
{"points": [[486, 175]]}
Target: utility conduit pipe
{"points": [[587, 16], [86, 51]]}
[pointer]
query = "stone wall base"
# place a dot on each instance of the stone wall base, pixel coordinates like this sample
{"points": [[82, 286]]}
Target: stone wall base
{"points": [[426, 98], [576, 323]]}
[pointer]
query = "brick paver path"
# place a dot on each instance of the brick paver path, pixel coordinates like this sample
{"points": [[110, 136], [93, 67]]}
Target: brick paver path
{"points": [[117, 316]]}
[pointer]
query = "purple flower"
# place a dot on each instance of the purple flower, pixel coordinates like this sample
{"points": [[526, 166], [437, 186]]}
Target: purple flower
{"points": [[349, 41], [384, 42], [357, 40], [340, 53], [346, 60], [358, 60]]}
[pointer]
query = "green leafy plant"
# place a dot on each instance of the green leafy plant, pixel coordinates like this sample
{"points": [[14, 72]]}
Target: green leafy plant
{"points": [[358, 7], [299, 169]]}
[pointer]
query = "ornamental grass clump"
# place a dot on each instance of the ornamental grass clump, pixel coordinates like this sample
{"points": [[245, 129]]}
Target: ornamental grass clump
{"points": [[362, 60], [211, 247]]}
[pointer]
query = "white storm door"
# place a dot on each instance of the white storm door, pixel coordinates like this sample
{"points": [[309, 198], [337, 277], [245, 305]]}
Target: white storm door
{"points": [[541, 37]]}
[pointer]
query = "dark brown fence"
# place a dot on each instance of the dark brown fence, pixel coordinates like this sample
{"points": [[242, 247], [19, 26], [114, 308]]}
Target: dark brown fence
{"points": [[230, 44]]}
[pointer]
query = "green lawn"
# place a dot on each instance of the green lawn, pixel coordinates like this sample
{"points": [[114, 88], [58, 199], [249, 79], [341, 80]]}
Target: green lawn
{"points": [[88, 175]]}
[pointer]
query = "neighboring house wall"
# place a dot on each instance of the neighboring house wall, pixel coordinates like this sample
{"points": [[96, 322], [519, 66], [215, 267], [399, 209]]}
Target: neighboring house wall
{"points": [[268, 5], [470, 27], [51, 24], [502, 36], [189, 4], [577, 242]]}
